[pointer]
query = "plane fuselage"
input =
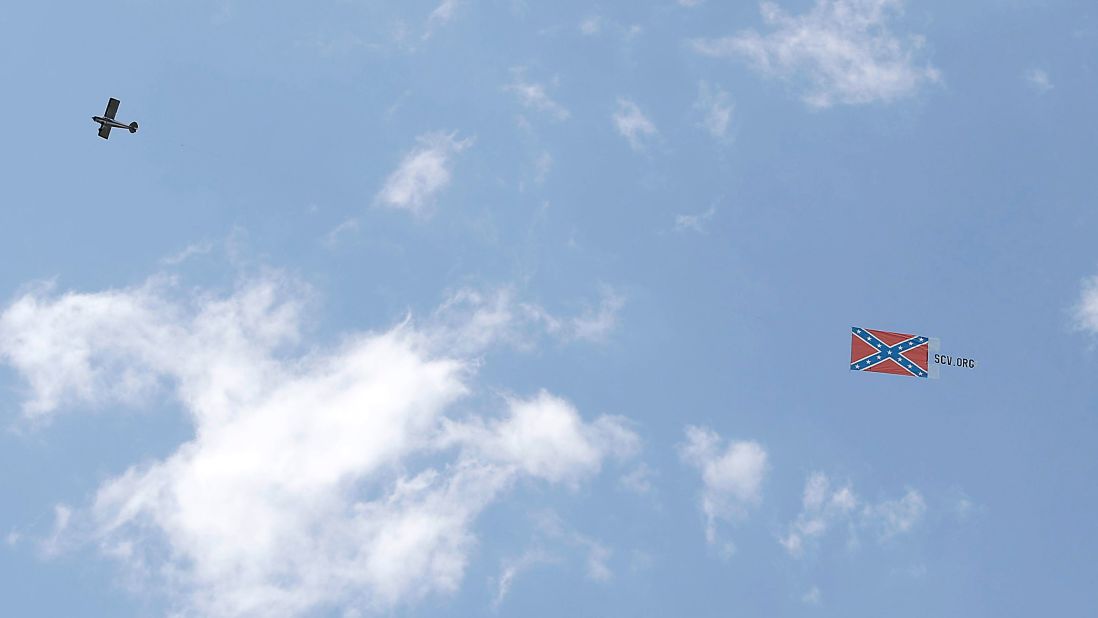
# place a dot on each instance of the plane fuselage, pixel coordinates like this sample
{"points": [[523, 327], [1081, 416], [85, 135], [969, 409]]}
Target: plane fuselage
{"points": [[110, 122]]}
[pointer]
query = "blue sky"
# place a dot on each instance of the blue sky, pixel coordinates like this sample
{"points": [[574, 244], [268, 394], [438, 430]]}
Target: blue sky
{"points": [[536, 309]]}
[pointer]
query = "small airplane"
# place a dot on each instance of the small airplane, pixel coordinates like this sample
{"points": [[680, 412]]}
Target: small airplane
{"points": [[107, 121]]}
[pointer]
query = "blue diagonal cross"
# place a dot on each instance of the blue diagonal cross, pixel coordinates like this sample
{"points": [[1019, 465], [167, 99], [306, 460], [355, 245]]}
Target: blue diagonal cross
{"points": [[885, 352]]}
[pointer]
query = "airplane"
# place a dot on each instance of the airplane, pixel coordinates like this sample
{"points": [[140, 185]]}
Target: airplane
{"points": [[107, 121]]}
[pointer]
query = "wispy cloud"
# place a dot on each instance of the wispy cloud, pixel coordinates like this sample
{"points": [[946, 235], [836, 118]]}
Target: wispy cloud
{"points": [[632, 124], [732, 476], [347, 226], [826, 507], [695, 222], [188, 252], [1039, 80], [556, 543], [843, 49], [1085, 312], [591, 25], [596, 554], [596, 323], [638, 480], [895, 517], [543, 164], [440, 16], [57, 541], [335, 45], [513, 567], [473, 319], [423, 173], [822, 508], [533, 95], [595, 25], [715, 107]]}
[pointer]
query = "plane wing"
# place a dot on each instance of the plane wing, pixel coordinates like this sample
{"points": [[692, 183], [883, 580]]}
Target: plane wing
{"points": [[105, 130], [112, 109]]}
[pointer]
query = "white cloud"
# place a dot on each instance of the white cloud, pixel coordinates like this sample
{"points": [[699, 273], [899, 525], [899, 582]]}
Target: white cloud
{"points": [[1039, 80], [591, 25], [330, 479], [423, 173], [632, 124], [843, 48], [546, 438], [117, 346], [731, 477], [534, 96], [696, 222], [1085, 312], [716, 108], [689, 3], [825, 507]]}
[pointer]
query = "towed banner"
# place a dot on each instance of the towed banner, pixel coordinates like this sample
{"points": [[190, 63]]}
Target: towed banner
{"points": [[914, 356]]}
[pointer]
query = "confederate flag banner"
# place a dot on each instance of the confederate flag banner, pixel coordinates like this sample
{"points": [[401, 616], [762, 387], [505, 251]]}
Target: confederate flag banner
{"points": [[881, 351]]}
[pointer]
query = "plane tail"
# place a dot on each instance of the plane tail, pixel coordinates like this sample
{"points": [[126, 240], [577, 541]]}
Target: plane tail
{"points": [[133, 127]]}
